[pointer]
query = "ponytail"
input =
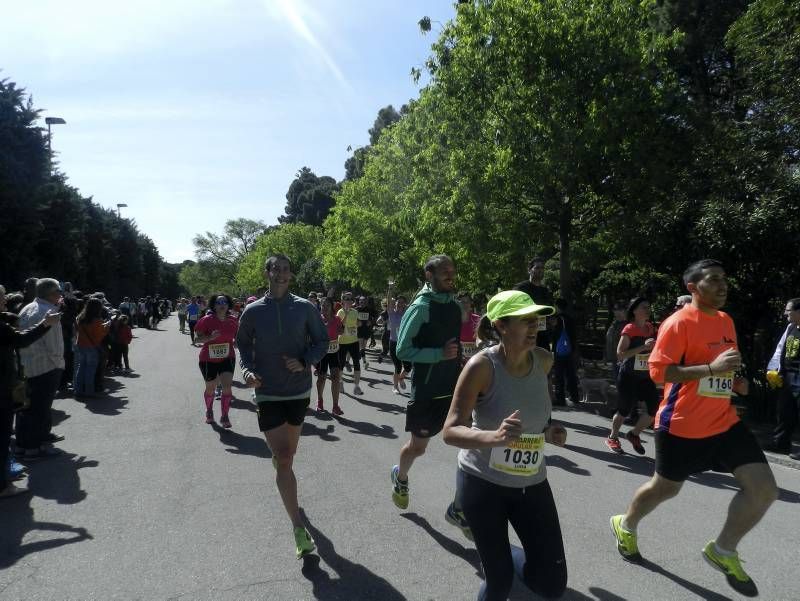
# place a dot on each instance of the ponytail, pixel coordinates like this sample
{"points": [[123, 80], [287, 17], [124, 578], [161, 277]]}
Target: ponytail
{"points": [[486, 333]]}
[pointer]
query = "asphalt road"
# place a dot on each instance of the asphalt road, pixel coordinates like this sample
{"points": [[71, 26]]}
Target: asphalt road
{"points": [[149, 502]]}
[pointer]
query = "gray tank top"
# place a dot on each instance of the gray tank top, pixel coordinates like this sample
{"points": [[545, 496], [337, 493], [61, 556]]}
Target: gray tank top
{"points": [[521, 464]]}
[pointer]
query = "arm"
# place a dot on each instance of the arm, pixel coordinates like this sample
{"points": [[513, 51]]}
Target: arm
{"points": [[474, 379], [17, 339], [625, 352], [413, 318], [319, 338], [244, 342]]}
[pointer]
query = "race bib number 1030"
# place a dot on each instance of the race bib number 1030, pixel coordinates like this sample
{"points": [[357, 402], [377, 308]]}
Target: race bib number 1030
{"points": [[521, 458]]}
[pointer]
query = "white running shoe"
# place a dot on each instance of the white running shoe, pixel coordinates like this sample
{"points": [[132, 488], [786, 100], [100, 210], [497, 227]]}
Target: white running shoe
{"points": [[357, 390], [395, 390]]}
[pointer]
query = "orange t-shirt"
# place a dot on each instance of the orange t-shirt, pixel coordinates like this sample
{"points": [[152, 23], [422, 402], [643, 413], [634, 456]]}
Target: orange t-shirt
{"points": [[691, 337]]}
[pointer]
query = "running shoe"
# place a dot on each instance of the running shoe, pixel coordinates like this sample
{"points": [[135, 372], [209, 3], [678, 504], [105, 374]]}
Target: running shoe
{"points": [[457, 519], [731, 566], [399, 489], [320, 407], [395, 390], [15, 469], [626, 540], [635, 441], [357, 390], [337, 410], [209, 416], [613, 444], [304, 544], [225, 422]]}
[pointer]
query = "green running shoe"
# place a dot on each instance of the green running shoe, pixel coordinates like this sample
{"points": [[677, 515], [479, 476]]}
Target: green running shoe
{"points": [[731, 566], [457, 519], [304, 544], [399, 489], [626, 540]]}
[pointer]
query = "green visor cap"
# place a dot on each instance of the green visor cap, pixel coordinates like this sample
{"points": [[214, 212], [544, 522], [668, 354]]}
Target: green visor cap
{"points": [[515, 303]]}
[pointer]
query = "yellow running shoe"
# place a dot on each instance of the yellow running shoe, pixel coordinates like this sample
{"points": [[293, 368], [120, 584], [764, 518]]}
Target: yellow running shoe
{"points": [[626, 540], [304, 544], [731, 566], [399, 488]]}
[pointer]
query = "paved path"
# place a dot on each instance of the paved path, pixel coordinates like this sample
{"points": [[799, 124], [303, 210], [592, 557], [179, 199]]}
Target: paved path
{"points": [[151, 503]]}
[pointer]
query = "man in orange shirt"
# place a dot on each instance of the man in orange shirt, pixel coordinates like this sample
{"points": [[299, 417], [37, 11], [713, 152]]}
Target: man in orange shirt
{"points": [[697, 428]]}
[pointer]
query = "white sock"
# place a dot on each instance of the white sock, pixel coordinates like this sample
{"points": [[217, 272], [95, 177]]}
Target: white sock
{"points": [[722, 551], [624, 525]]}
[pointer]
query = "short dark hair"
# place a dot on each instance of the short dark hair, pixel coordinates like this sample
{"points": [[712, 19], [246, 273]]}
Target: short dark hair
{"points": [[535, 260], [433, 263], [274, 258], [694, 273], [794, 302], [212, 301], [635, 302]]}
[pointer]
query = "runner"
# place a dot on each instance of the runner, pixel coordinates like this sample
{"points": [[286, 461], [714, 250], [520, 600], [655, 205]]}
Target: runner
{"points": [[182, 304], [192, 316], [469, 326], [784, 373], [697, 428], [280, 337], [216, 332], [365, 327], [401, 368], [428, 338], [348, 341], [500, 417], [331, 360], [633, 382]]}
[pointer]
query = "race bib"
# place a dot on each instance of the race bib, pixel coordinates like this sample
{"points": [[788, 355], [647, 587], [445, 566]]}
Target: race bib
{"points": [[469, 349], [363, 316], [521, 458], [333, 346], [640, 362], [218, 351], [352, 332], [718, 387]]}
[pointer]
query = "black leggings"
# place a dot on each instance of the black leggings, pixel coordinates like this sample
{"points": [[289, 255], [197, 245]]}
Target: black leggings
{"points": [[192, 324], [355, 353], [399, 366], [532, 513]]}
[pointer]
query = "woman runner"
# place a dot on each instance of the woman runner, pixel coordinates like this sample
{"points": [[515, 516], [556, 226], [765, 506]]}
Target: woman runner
{"points": [[500, 417], [331, 359], [216, 333]]}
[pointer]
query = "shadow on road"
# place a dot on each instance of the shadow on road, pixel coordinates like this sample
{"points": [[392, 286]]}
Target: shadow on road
{"points": [[392, 408], [240, 404], [643, 466], [567, 465], [58, 478], [468, 554], [310, 429], [16, 521], [354, 580], [242, 444], [366, 428], [700, 591], [106, 404], [59, 416]]}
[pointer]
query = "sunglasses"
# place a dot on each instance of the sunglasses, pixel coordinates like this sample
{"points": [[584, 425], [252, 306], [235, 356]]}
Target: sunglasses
{"points": [[221, 301]]}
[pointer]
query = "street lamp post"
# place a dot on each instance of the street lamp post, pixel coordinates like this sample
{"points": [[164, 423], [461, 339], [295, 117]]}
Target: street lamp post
{"points": [[119, 206], [51, 121]]}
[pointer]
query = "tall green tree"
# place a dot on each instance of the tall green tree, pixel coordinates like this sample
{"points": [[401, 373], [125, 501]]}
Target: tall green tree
{"points": [[310, 198]]}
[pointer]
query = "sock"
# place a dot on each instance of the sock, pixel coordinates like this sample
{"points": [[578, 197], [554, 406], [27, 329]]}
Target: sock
{"points": [[226, 403], [722, 551], [624, 525], [209, 399]]}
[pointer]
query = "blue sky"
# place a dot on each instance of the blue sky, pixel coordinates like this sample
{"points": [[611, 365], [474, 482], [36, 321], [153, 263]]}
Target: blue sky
{"points": [[193, 113]]}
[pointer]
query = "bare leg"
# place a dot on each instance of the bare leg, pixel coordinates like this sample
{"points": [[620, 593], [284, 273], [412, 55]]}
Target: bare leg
{"points": [[649, 496], [749, 505], [643, 422], [411, 450], [335, 387], [616, 424], [283, 441]]}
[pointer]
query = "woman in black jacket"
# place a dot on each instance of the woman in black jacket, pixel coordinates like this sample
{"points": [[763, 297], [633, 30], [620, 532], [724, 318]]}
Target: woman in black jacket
{"points": [[10, 340]]}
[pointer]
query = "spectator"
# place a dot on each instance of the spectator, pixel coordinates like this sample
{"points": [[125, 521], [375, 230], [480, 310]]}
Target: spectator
{"points": [[182, 304], [121, 337], [43, 362], [565, 350], [541, 294], [91, 332], [786, 362], [10, 341]]}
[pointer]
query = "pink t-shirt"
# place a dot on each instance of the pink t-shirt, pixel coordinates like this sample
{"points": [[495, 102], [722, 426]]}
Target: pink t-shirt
{"points": [[333, 327], [221, 347], [468, 328]]}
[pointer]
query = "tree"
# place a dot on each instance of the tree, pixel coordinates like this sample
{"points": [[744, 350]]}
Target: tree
{"points": [[387, 116], [221, 254], [310, 198]]}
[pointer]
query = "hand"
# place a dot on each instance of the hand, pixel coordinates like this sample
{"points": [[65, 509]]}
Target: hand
{"points": [[293, 365], [741, 386], [774, 379], [730, 360], [52, 318], [253, 380], [556, 434], [450, 349], [510, 430], [649, 344]]}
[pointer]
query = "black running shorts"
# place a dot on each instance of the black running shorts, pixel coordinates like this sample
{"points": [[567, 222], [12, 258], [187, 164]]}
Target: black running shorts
{"points": [[330, 362], [634, 389], [272, 414], [425, 418], [677, 458], [212, 369]]}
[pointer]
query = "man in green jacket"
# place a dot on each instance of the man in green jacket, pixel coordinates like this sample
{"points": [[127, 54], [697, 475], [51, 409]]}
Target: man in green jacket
{"points": [[428, 338]]}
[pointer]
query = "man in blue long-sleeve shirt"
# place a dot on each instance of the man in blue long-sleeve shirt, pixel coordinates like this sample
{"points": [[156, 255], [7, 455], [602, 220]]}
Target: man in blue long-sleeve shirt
{"points": [[280, 337]]}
